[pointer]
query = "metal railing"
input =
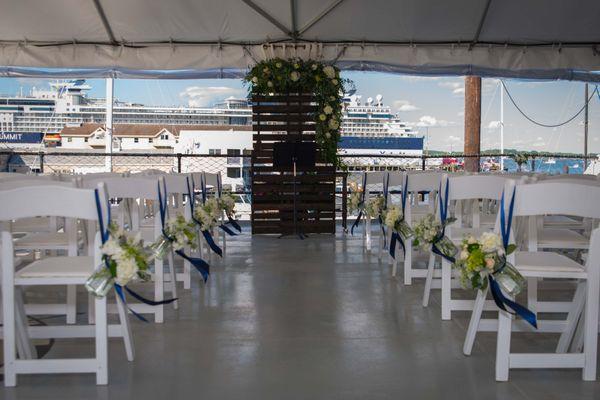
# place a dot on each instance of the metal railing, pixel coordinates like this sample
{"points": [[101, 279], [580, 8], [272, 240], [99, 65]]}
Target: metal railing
{"points": [[236, 170]]}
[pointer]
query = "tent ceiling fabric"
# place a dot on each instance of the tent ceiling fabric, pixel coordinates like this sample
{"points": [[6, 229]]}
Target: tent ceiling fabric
{"points": [[548, 39]]}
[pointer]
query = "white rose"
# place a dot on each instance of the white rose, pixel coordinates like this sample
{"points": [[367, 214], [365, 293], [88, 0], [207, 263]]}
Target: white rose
{"points": [[314, 67], [328, 135], [254, 79], [327, 109], [329, 71], [126, 271], [335, 82], [270, 84], [294, 76], [333, 124]]}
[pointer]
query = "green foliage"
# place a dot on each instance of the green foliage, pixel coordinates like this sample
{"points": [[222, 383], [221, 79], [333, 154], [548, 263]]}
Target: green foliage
{"points": [[279, 76]]}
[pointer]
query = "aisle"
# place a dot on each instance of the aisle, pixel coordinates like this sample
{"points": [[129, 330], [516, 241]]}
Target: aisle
{"points": [[291, 319]]}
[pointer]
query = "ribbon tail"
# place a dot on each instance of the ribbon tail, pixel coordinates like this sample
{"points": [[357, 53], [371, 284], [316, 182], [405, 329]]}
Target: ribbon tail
{"points": [[211, 243], [435, 250], [356, 222], [393, 239], [235, 224], [119, 290], [198, 263], [382, 230], [227, 230], [501, 300], [144, 300]]}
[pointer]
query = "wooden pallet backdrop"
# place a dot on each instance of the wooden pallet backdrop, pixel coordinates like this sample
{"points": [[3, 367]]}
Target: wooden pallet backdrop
{"points": [[287, 118]]}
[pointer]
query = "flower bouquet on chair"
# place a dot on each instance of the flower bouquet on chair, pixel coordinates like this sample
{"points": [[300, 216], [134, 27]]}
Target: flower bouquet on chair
{"points": [[393, 218], [355, 201], [484, 256], [227, 205], [178, 233], [207, 217], [125, 259], [374, 207], [429, 231]]}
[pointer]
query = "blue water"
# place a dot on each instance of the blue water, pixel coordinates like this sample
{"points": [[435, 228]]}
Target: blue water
{"points": [[575, 166]]}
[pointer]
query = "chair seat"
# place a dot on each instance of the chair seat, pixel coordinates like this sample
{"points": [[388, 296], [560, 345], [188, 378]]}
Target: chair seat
{"points": [[420, 209], [43, 240], [73, 269], [554, 238], [547, 264], [487, 219]]}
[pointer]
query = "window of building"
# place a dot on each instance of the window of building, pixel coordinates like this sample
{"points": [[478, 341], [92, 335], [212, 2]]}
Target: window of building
{"points": [[86, 140], [136, 140], [150, 140], [69, 139], [214, 152], [233, 172]]}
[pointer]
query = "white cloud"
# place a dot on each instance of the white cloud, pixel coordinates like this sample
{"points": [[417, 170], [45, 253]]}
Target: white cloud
{"points": [[453, 139], [428, 120], [198, 96], [460, 113], [404, 105], [456, 87], [417, 78], [494, 125]]}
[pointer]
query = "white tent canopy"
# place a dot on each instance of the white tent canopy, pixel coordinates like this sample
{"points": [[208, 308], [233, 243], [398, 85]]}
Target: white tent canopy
{"points": [[547, 39]]}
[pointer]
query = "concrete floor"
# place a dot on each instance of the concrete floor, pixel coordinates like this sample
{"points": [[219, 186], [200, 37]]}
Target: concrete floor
{"points": [[314, 319]]}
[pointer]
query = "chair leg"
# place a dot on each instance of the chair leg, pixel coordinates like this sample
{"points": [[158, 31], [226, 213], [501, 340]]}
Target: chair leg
{"points": [[186, 274], [474, 322], [26, 348], [428, 279], [71, 304], [503, 346], [446, 290], [566, 337], [159, 290], [408, 263], [9, 331], [577, 344], [101, 341], [368, 234], [173, 279], [125, 329], [532, 294], [590, 336]]}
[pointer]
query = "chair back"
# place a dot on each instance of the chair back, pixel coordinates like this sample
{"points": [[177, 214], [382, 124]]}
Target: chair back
{"points": [[14, 184]]}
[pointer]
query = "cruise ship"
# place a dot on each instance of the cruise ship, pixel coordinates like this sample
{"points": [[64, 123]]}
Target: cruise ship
{"points": [[40, 116], [55, 116], [371, 128]]}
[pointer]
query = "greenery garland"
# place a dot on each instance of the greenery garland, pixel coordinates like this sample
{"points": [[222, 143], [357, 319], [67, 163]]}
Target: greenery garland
{"points": [[279, 76]]}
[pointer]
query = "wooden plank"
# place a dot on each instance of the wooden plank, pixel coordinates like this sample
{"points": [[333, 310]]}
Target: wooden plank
{"points": [[304, 127], [301, 97], [306, 137], [283, 109], [295, 117]]}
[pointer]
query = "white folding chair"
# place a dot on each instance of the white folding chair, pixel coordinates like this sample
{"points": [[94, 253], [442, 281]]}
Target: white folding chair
{"points": [[531, 200], [428, 184], [141, 189], [462, 188], [375, 182], [74, 269]]}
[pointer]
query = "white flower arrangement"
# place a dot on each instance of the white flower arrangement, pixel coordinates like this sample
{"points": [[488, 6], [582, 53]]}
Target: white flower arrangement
{"points": [[428, 232], [374, 206], [393, 218], [208, 214], [182, 232], [484, 256], [126, 259], [355, 202], [227, 204]]}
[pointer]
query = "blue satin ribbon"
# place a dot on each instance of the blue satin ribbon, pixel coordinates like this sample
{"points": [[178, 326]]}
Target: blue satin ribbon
{"points": [[104, 234], [502, 301], [395, 235], [211, 242], [443, 216], [203, 188], [235, 224], [219, 185], [198, 263], [386, 185], [360, 204], [226, 229]]}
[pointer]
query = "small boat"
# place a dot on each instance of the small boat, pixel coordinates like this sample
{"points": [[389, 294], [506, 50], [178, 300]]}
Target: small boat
{"points": [[550, 161]]}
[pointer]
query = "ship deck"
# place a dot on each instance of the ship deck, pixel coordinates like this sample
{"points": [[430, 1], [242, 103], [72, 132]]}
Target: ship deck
{"points": [[312, 319]]}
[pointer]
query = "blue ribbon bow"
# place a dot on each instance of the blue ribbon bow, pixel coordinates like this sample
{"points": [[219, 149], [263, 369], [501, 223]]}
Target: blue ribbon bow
{"points": [[443, 216], [207, 235], [360, 204], [502, 301], [201, 266], [396, 237]]}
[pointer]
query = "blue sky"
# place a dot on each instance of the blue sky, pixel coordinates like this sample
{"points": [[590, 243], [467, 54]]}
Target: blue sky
{"points": [[434, 105]]}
